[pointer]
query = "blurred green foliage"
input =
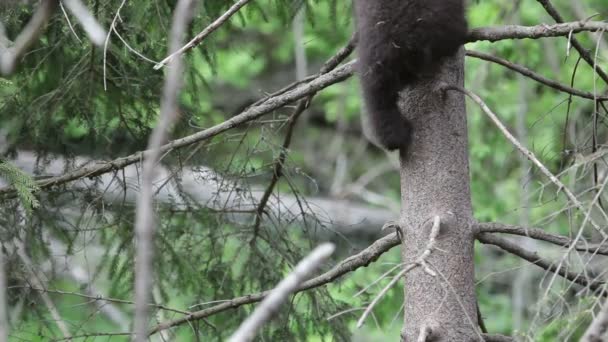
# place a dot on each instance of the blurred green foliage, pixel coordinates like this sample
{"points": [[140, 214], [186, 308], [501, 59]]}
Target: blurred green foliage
{"points": [[71, 98]]}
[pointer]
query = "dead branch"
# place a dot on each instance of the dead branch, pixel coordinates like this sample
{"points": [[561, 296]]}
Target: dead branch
{"points": [[533, 258], [531, 157], [494, 34], [597, 329], [91, 26], [144, 221], [420, 261], [539, 78], [206, 32], [271, 304], [584, 53], [279, 162], [540, 234]]}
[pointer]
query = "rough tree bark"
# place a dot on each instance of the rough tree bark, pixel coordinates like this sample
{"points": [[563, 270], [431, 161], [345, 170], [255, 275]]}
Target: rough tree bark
{"points": [[435, 182]]}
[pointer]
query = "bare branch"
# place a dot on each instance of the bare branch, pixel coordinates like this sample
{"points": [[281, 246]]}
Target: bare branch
{"points": [[329, 65], [144, 222], [540, 234], [430, 247], [107, 42], [271, 304], [29, 34], [597, 328], [207, 31], [350, 264], [384, 291], [279, 162], [340, 56], [96, 33], [539, 78], [533, 258], [575, 43], [494, 34], [67, 19], [530, 156], [420, 261]]}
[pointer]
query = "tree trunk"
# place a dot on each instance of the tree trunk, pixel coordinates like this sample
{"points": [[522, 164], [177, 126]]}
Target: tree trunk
{"points": [[435, 182]]}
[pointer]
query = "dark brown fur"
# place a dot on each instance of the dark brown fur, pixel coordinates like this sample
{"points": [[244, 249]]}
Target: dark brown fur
{"points": [[400, 40]]}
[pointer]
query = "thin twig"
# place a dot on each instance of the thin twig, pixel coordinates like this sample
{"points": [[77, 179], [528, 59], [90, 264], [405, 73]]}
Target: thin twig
{"points": [[340, 56], [271, 304], [533, 75], [329, 65], [528, 154], [384, 291], [572, 40], [92, 336], [533, 258], [100, 298], [597, 329], [379, 279], [420, 261], [545, 171], [494, 34], [540, 234], [90, 25], [144, 223], [278, 164], [458, 298], [137, 53], [107, 43], [430, 246], [302, 105], [207, 31], [67, 19]]}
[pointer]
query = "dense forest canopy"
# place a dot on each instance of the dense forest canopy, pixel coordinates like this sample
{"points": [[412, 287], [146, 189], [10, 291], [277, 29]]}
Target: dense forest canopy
{"points": [[267, 160]]}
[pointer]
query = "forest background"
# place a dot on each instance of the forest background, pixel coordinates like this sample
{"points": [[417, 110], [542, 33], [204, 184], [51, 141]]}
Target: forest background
{"points": [[238, 211]]}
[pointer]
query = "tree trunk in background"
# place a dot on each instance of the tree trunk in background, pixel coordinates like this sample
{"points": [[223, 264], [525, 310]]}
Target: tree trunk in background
{"points": [[435, 181]]}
